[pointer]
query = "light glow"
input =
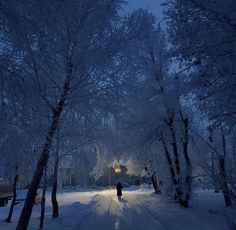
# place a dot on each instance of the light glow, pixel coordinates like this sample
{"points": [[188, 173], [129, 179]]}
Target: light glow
{"points": [[118, 170]]}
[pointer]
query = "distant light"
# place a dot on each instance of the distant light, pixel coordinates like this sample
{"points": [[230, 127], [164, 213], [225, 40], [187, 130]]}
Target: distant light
{"points": [[117, 170]]}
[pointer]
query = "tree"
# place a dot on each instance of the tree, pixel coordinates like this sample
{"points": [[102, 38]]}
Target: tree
{"points": [[209, 55], [8, 219], [70, 56], [203, 46]]}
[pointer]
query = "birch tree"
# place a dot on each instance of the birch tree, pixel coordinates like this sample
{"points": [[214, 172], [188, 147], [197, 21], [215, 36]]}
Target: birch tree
{"points": [[67, 51]]}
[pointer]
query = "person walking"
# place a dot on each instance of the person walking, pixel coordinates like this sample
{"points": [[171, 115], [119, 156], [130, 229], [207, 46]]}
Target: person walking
{"points": [[119, 190]]}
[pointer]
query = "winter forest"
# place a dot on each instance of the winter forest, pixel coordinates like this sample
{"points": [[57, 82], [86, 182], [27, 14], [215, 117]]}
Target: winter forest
{"points": [[92, 94]]}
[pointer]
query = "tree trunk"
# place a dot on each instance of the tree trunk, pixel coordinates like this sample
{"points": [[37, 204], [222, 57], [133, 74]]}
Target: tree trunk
{"points": [[150, 171], [154, 184], [8, 219], [28, 206], [174, 146], [224, 183], [188, 176], [178, 190], [223, 176], [55, 212], [213, 171], [43, 200]]}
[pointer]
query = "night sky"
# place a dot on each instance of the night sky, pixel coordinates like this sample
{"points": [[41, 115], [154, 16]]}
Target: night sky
{"points": [[153, 5]]}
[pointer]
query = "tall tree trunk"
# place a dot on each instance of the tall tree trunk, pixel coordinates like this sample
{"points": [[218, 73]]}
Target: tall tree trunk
{"points": [[155, 184], [223, 176], [152, 173], [8, 219], [28, 205], [55, 212], [178, 190], [188, 176], [224, 183], [213, 171], [43, 200], [170, 124]]}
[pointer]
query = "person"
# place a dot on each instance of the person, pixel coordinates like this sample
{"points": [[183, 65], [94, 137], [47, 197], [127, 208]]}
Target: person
{"points": [[119, 190]]}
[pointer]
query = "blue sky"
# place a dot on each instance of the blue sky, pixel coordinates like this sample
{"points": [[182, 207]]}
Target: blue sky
{"points": [[153, 5]]}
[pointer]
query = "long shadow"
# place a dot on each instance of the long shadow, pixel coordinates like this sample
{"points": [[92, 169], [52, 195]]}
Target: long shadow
{"points": [[100, 211], [103, 215], [70, 215], [123, 200]]}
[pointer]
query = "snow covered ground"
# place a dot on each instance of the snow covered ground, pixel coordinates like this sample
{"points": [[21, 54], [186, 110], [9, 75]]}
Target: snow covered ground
{"points": [[138, 209]]}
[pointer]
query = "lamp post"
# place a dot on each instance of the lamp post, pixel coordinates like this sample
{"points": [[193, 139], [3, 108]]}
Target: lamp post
{"points": [[117, 170], [109, 176], [117, 167]]}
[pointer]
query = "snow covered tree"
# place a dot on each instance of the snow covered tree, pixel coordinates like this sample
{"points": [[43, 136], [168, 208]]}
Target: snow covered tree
{"points": [[201, 34], [68, 52]]}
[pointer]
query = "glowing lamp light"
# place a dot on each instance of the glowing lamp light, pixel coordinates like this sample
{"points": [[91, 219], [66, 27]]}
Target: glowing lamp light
{"points": [[117, 170]]}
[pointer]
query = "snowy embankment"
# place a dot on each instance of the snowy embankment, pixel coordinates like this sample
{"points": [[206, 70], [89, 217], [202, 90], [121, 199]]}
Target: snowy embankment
{"points": [[138, 209]]}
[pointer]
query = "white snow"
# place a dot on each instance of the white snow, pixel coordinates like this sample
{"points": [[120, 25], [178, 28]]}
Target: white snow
{"points": [[138, 209]]}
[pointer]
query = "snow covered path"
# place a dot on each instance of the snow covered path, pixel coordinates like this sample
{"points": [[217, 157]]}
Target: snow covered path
{"points": [[138, 210], [141, 210], [125, 214]]}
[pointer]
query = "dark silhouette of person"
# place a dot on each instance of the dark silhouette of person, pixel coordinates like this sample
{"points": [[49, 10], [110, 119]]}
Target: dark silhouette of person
{"points": [[119, 190]]}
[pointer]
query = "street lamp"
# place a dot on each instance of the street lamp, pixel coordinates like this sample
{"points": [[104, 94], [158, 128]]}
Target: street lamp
{"points": [[117, 169]]}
